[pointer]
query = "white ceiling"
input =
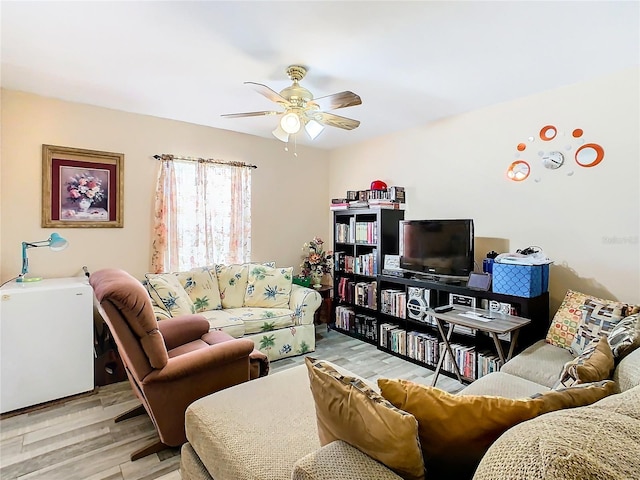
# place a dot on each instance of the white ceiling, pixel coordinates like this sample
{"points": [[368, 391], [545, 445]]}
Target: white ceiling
{"points": [[411, 62]]}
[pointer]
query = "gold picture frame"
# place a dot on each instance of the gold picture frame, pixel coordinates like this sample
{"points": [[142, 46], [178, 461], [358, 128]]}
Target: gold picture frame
{"points": [[81, 188]]}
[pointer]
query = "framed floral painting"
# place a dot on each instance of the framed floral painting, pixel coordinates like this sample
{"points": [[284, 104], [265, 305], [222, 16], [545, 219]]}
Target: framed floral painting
{"points": [[81, 188]]}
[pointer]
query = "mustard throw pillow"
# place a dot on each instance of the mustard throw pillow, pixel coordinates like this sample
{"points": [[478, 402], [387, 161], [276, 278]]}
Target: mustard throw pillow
{"points": [[347, 409], [456, 430]]}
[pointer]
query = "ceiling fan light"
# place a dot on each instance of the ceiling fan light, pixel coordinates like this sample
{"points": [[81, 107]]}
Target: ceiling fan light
{"points": [[290, 123], [280, 134], [313, 129]]}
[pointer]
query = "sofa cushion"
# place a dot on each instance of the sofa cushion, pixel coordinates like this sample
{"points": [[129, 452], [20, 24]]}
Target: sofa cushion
{"points": [[348, 410], [625, 336], [503, 385], [595, 363], [268, 287], [564, 325], [598, 319], [166, 291], [262, 319], [339, 460], [258, 429], [226, 321], [201, 284], [540, 363], [232, 282], [600, 441], [456, 430], [627, 373]]}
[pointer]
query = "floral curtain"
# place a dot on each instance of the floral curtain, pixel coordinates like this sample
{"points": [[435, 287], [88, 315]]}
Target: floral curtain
{"points": [[202, 214]]}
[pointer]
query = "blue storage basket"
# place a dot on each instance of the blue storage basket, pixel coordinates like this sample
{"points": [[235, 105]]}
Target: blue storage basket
{"points": [[520, 280]]}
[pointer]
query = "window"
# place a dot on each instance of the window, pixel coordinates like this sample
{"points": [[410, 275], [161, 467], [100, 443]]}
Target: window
{"points": [[203, 214]]}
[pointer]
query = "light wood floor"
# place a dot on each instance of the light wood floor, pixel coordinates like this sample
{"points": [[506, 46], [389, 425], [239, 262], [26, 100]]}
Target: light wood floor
{"points": [[76, 438]]}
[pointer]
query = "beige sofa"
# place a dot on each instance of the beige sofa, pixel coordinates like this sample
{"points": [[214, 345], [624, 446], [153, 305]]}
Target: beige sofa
{"points": [[254, 301], [266, 430]]}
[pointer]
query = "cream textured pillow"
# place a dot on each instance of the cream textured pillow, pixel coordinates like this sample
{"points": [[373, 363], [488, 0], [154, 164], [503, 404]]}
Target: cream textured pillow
{"points": [[567, 319], [456, 430], [347, 409], [268, 287], [201, 284], [165, 289], [594, 364], [232, 282]]}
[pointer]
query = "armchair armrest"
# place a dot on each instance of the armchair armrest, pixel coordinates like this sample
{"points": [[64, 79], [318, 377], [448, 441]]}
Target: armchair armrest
{"points": [[304, 302], [340, 460], [182, 329], [203, 360]]}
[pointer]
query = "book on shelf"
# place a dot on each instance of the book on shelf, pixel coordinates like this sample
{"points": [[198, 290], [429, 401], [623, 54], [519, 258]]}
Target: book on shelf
{"points": [[366, 204], [339, 206], [389, 205]]}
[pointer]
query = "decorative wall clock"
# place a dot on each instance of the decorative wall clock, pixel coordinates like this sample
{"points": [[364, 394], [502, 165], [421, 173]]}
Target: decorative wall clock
{"points": [[551, 156]]}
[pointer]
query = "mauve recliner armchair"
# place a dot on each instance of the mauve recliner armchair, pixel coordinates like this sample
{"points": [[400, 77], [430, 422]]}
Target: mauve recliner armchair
{"points": [[171, 363]]}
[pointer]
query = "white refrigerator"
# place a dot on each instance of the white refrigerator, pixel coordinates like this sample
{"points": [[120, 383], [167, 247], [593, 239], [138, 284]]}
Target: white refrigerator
{"points": [[46, 341]]}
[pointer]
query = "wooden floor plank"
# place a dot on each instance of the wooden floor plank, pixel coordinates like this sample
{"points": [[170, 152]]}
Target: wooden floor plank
{"points": [[76, 438]]}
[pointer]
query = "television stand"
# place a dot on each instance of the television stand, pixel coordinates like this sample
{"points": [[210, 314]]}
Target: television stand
{"points": [[446, 279]]}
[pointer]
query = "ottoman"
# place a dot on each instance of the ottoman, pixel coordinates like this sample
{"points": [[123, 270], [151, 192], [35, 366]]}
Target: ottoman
{"points": [[257, 430]]}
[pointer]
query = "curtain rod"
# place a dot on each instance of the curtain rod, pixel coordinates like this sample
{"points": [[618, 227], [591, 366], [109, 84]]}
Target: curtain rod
{"points": [[168, 156]]}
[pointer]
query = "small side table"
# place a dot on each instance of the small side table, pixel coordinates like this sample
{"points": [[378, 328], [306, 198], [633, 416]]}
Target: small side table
{"points": [[323, 314], [493, 323]]}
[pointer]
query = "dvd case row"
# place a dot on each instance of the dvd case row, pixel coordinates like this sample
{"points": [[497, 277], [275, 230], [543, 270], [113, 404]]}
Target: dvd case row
{"points": [[394, 302], [366, 264], [364, 325], [428, 349]]}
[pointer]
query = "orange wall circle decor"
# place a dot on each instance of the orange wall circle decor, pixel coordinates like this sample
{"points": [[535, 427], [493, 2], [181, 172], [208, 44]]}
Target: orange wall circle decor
{"points": [[589, 155]]}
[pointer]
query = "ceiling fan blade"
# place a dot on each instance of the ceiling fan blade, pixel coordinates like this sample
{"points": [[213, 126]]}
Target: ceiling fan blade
{"points": [[269, 93], [333, 120], [250, 114], [337, 100]]}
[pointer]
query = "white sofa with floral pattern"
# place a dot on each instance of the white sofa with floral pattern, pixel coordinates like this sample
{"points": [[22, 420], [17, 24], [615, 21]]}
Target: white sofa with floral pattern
{"points": [[255, 301]]}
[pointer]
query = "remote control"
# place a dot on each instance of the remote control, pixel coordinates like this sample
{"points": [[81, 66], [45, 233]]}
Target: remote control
{"points": [[443, 309]]}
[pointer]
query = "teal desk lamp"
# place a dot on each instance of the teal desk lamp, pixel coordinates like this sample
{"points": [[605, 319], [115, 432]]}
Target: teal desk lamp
{"points": [[55, 242]]}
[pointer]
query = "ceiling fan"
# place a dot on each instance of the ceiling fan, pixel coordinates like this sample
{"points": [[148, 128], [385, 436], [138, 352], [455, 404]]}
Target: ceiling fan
{"points": [[301, 110]]}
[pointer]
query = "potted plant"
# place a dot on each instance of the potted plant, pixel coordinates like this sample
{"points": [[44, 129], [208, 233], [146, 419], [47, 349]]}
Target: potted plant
{"points": [[317, 262]]}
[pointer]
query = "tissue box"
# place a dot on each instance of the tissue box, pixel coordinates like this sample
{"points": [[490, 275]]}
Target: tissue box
{"points": [[302, 281], [520, 280]]}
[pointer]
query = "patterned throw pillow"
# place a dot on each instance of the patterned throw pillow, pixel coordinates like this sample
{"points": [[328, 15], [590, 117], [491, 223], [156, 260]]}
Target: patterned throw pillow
{"points": [[348, 410], [232, 282], [564, 325], [166, 291], [598, 318], [594, 364], [201, 284], [624, 337], [268, 287]]}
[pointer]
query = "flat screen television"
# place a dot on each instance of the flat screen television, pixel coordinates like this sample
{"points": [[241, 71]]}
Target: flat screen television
{"points": [[437, 248]]}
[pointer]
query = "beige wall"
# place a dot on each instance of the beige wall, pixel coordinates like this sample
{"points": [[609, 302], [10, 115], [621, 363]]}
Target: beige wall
{"points": [[588, 223], [288, 201]]}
